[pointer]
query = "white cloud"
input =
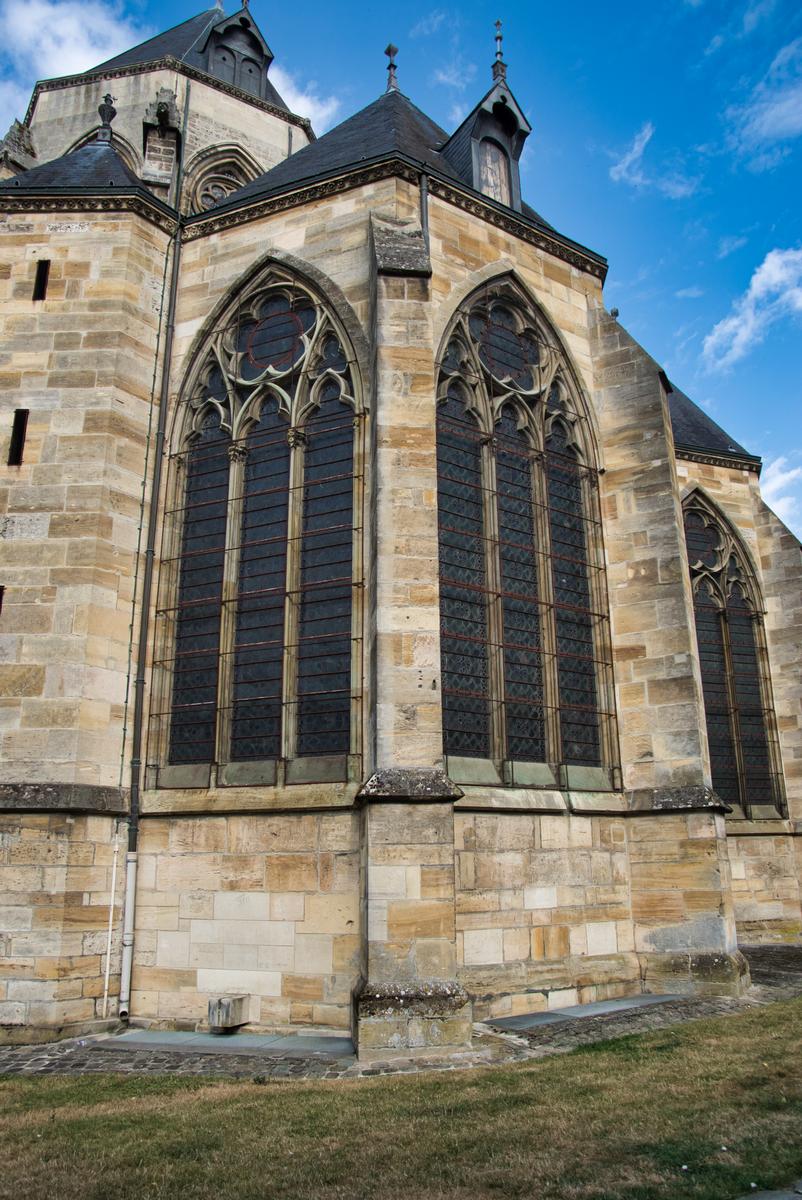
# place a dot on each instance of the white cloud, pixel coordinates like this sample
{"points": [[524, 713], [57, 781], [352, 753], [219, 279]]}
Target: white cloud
{"points": [[781, 488], [630, 169], [775, 291], [689, 293], [742, 26], [457, 114], [429, 24], [40, 39], [305, 100], [773, 113], [456, 74], [728, 245]]}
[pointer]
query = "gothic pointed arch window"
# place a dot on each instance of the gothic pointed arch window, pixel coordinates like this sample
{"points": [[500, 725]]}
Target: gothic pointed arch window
{"points": [[257, 677], [526, 664], [739, 716]]}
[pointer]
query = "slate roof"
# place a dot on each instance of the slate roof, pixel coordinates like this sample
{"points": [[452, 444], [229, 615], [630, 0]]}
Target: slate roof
{"points": [[389, 127], [694, 430], [93, 167], [184, 42]]}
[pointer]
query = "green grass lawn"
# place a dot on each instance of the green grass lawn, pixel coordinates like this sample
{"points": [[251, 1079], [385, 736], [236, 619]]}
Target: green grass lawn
{"points": [[615, 1121]]}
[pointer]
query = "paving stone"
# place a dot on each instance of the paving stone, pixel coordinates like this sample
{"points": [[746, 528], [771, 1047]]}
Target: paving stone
{"points": [[776, 974]]}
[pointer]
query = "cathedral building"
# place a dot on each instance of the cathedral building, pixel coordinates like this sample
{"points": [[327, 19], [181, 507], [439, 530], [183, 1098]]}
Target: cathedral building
{"points": [[386, 643]]}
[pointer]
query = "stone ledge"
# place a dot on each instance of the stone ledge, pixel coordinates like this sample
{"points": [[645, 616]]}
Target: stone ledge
{"points": [[63, 797], [679, 799], [427, 785]]}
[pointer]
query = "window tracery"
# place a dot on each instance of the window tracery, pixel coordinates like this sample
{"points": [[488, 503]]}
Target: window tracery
{"points": [[259, 604], [524, 637], [741, 728]]}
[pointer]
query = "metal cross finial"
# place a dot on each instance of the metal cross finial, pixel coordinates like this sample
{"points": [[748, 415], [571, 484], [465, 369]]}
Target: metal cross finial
{"points": [[392, 81], [499, 66]]}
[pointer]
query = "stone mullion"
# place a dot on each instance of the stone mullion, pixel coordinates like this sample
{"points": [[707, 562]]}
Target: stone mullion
{"points": [[769, 714], [548, 616], [237, 454], [495, 614], [601, 636], [166, 597], [357, 593], [732, 707], [292, 605]]}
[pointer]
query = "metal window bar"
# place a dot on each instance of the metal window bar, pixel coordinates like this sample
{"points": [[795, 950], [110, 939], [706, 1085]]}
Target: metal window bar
{"points": [[471, 709]]}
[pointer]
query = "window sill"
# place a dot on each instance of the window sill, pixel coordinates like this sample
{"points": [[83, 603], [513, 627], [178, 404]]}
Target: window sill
{"points": [[332, 768], [475, 772]]}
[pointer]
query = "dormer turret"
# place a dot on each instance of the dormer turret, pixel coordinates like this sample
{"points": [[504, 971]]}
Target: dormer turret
{"points": [[236, 53], [486, 147]]}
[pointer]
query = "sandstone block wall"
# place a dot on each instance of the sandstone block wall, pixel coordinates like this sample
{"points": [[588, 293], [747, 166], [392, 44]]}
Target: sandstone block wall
{"points": [[543, 910], [55, 897], [82, 361], [266, 905], [65, 115]]}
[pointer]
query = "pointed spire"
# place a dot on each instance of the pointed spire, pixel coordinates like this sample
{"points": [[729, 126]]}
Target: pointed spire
{"points": [[392, 81], [107, 112], [499, 65]]}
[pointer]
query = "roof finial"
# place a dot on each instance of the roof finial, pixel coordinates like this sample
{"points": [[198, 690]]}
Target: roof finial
{"points": [[499, 66], [107, 112], [392, 81]]}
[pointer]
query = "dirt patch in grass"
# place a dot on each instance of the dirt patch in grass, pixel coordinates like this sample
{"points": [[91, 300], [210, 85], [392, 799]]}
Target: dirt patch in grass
{"points": [[699, 1112]]}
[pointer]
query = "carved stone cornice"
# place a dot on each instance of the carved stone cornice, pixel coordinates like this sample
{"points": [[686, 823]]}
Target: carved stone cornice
{"points": [[510, 222], [86, 202], [202, 226], [720, 460], [171, 64]]}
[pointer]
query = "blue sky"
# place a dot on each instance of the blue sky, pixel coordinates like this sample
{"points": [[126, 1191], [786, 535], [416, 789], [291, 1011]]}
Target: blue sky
{"points": [[666, 137]]}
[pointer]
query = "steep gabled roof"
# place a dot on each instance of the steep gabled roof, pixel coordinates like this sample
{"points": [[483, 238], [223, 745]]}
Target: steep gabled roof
{"points": [[696, 432], [186, 43], [392, 126], [94, 167], [389, 126], [182, 42]]}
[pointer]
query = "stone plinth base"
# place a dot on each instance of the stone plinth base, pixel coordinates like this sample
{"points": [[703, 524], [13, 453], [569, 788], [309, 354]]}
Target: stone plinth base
{"points": [[34, 1034], [700, 974], [416, 1017]]}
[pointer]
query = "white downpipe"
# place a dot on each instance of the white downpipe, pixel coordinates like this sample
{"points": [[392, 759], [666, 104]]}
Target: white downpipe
{"points": [[128, 934], [111, 921]]}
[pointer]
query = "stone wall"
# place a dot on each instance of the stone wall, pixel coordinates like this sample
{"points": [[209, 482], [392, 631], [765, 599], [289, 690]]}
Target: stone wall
{"points": [[65, 115], [765, 883], [55, 897], [82, 361], [765, 854], [263, 905], [543, 910]]}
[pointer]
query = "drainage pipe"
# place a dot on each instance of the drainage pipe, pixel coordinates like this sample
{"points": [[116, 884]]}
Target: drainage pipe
{"points": [[111, 921], [126, 966]]}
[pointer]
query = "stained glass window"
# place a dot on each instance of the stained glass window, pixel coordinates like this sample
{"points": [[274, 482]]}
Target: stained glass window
{"points": [[257, 589], [736, 688], [525, 650]]}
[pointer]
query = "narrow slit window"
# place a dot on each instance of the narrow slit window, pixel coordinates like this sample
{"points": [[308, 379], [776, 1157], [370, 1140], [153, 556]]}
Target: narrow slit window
{"points": [[42, 276], [18, 430], [2, 596]]}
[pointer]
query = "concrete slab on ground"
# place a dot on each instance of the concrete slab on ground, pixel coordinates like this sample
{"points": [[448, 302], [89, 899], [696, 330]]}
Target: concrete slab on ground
{"points": [[258, 1045], [576, 1012]]}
